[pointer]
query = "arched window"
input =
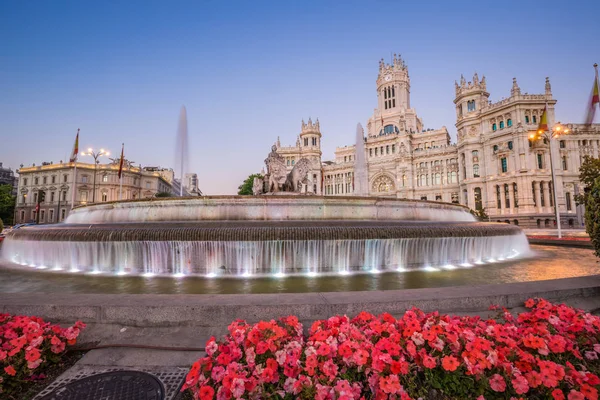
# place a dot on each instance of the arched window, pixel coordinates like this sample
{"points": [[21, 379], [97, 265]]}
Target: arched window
{"points": [[475, 153], [515, 195], [494, 127], [534, 119], [509, 122], [498, 198], [478, 201], [423, 180], [527, 121], [475, 170], [501, 124], [510, 145], [506, 196], [388, 129], [453, 176], [438, 179]]}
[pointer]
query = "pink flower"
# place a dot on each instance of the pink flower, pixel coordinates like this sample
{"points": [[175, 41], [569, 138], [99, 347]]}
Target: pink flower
{"points": [[497, 383], [575, 395], [520, 384], [390, 385]]}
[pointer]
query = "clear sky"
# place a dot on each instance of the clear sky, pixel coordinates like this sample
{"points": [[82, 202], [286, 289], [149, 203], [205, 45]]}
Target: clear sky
{"points": [[250, 71]]}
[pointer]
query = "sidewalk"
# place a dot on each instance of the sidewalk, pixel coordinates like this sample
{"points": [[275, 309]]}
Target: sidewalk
{"points": [[566, 233]]}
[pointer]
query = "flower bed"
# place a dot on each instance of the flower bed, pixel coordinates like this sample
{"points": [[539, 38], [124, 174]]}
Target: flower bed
{"points": [[28, 346], [549, 352]]}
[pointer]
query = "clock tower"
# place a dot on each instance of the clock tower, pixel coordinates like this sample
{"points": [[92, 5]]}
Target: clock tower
{"points": [[393, 86]]}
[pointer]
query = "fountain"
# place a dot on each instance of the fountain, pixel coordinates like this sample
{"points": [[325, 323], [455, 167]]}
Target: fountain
{"points": [[282, 230]]}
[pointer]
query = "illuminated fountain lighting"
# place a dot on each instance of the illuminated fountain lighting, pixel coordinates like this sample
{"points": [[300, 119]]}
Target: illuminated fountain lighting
{"points": [[479, 262], [466, 265], [280, 275], [401, 269], [57, 268], [74, 269], [121, 273], [246, 274], [491, 260], [179, 275], [311, 274], [449, 267], [95, 272], [429, 268], [211, 275], [375, 271], [344, 272], [42, 267]]}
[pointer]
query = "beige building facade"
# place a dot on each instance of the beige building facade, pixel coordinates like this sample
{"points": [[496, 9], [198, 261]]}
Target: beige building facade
{"points": [[56, 181], [493, 166]]}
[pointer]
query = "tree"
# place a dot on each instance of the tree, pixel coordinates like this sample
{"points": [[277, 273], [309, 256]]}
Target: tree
{"points": [[592, 214], [588, 173], [246, 187], [7, 204], [481, 215], [163, 194]]}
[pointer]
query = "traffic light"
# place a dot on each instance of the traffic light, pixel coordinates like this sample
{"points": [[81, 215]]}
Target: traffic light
{"points": [[42, 197]]}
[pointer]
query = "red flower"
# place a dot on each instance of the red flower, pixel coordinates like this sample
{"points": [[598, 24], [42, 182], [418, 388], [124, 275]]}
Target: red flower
{"points": [[10, 370], [558, 394], [497, 383], [450, 363], [575, 395], [589, 392], [206, 393]]}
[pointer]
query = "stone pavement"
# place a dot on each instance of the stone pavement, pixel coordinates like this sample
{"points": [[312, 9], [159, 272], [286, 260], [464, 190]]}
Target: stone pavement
{"points": [[579, 233]]}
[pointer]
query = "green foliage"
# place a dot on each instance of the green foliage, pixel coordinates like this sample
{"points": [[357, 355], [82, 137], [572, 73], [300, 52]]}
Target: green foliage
{"points": [[588, 173], [163, 194], [592, 214], [7, 204], [246, 187], [1, 225]]}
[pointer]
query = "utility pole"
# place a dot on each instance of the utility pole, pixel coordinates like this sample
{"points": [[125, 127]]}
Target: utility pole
{"points": [[40, 199]]}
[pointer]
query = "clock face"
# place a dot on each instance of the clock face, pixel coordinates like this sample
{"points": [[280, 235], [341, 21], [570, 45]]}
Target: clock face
{"points": [[388, 78]]}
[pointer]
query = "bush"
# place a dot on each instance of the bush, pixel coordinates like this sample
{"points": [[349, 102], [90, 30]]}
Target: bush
{"points": [[592, 214], [29, 346], [548, 352]]}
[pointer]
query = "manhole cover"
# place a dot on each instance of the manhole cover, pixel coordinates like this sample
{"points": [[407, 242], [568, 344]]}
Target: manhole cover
{"points": [[117, 385]]}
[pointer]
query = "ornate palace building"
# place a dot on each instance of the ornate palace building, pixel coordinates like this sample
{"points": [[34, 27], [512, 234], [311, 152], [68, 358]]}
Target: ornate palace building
{"points": [[494, 165]]}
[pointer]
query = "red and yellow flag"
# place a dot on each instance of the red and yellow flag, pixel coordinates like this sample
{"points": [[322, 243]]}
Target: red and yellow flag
{"points": [[75, 152], [121, 163], [595, 100], [543, 126]]}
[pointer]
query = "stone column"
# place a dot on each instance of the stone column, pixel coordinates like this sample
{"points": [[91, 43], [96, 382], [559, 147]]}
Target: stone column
{"points": [[536, 194], [511, 196]]}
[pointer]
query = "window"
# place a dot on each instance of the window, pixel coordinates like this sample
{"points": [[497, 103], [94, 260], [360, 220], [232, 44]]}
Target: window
{"points": [[423, 180], [534, 119], [506, 196], [562, 144], [438, 179], [550, 194], [84, 179], [540, 161], [495, 148], [564, 163], [45, 180], [515, 195], [65, 178], [542, 200], [478, 202], [403, 180], [498, 198], [35, 197], [475, 170], [22, 216], [370, 152], [62, 214], [423, 197], [64, 196], [104, 196], [104, 178], [504, 164], [51, 196], [43, 215], [24, 181], [51, 215], [376, 150], [527, 119], [501, 124], [494, 127], [148, 185], [509, 122], [454, 197], [475, 153], [288, 161], [533, 193], [387, 149], [453, 177], [393, 149], [388, 129], [53, 179], [23, 198], [510, 144], [36, 181], [314, 141], [438, 197], [293, 161], [466, 197], [568, 198], [83, 196], [345, 159]]}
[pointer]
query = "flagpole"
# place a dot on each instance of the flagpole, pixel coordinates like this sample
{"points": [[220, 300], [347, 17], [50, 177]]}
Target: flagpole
{"points": [[554, 191], [75, 155], [121, 173]]}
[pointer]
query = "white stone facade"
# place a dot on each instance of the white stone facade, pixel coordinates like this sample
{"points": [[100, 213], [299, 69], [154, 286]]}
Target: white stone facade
{"points": [[493, 165]]}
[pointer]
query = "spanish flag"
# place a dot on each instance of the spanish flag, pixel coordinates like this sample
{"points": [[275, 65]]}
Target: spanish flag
{"points": [[595, 100], [75, 152], [543, 126], [121, 163]]}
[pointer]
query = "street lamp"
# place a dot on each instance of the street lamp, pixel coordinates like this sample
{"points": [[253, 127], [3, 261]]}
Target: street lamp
{"points": [[96, 155], [549, 134]]}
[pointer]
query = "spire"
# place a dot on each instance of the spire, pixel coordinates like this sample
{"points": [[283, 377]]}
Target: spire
{"points": [[475, 79], [516, 90], [278, 142], [463, 82], [548, 87], [482, 83]]}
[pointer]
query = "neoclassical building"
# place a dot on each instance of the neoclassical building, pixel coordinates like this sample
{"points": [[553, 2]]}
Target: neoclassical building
{"points": [[494, 165]]}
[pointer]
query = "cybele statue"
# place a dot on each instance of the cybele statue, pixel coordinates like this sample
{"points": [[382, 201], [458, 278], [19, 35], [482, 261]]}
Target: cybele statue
{"points": [[277, 177]]}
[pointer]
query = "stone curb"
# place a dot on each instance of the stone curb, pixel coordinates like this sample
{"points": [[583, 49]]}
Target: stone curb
{"points": [[219, 310]]}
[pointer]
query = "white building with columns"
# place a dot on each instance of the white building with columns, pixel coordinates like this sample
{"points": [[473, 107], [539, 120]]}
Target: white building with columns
{"points": [[494, 165]]}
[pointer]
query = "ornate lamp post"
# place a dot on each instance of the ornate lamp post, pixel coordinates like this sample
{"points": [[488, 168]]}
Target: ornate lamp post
{"points": [[549, 134], [96, 155]]}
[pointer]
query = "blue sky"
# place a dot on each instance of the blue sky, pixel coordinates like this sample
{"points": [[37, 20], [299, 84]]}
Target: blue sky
{"points": [[250, 71]]}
